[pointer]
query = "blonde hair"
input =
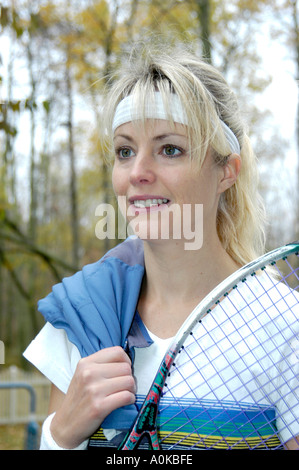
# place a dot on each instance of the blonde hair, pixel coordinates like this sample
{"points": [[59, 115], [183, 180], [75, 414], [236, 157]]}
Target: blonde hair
{"points": [[207, 99]]}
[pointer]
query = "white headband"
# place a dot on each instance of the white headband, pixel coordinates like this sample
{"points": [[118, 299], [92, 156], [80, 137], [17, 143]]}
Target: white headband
{"points": [[127, 112]]}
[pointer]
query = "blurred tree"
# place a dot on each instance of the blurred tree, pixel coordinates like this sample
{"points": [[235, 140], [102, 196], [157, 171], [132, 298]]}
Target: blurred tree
{"points": [[284, 28], [295, 46], [61, 54]]}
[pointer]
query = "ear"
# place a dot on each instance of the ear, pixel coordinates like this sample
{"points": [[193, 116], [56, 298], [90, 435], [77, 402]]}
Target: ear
{"points": [[230, 172]]}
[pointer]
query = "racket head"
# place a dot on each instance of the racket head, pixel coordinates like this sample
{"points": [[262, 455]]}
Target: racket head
{"points": [[203, 404]]}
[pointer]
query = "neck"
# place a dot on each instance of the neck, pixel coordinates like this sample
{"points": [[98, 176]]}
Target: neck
{"points": [[172, 271], [177, 280]]}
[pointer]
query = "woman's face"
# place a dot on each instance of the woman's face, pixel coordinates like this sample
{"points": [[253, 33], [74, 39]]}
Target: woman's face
{"points": [[161, 191]]}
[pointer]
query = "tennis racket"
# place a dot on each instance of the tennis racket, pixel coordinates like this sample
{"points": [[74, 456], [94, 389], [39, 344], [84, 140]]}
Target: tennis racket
{"points": [[230, 379]]}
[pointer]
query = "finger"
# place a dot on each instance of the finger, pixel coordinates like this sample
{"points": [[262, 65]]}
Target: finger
{"points": [[93, 374], [109, 395], [110, 355], [95, 371], [115, 385], [118, 400]]}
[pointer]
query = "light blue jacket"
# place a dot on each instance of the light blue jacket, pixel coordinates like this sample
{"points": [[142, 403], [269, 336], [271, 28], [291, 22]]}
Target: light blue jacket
{"points": [[96, 307]]}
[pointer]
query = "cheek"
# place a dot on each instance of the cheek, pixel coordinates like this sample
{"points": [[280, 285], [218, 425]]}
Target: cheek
{"points": [[189, 188], [199, 190], [118, 182]]}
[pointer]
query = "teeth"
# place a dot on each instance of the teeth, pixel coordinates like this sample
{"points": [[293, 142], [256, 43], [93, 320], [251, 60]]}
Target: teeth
{"points": [[149, 202]]}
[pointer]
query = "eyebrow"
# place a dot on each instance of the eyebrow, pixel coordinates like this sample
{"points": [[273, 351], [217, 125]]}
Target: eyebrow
{"points": [[156, 138], [127, 137], [166, 136]]}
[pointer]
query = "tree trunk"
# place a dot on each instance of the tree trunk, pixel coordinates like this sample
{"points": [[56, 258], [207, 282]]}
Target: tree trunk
{"points": [[294, 4], [203, 14], [31, 102], [32, 229], [73, 176]]}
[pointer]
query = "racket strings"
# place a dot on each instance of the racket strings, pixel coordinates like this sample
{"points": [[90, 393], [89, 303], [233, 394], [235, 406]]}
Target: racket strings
{"points": [[213, 420], [229, 383]]}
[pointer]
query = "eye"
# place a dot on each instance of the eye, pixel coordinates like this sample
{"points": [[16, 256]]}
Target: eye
{"points": [[172, 151], [124, 152]]}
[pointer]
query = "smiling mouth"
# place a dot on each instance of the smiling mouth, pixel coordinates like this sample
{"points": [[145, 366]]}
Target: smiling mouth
{"points": [[141, 203]]}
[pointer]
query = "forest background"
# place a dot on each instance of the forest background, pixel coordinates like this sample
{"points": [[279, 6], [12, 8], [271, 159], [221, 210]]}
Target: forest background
{"points": [[55, 57]]}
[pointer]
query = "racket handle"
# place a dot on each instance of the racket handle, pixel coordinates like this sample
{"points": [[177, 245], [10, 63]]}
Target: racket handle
{"points": [[133, 440]]}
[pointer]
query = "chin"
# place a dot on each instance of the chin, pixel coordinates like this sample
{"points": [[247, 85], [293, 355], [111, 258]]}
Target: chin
{"points": [[157, 225]]}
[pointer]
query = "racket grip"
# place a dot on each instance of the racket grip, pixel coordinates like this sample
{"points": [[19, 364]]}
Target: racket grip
{"points": [[133, 440]]}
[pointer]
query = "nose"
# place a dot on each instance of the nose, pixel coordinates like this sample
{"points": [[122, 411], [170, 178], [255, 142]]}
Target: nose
{"points": [[143, 168]]}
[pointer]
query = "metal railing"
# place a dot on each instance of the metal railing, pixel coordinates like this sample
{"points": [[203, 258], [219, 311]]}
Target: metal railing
{"points": [[32, 428], [14, 404]]}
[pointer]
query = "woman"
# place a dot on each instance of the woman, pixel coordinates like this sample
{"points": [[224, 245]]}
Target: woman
{"points": [[173, 127]]}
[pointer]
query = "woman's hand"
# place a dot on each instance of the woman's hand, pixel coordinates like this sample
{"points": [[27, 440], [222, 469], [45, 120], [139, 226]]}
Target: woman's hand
{"points": [[102, 383]]}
